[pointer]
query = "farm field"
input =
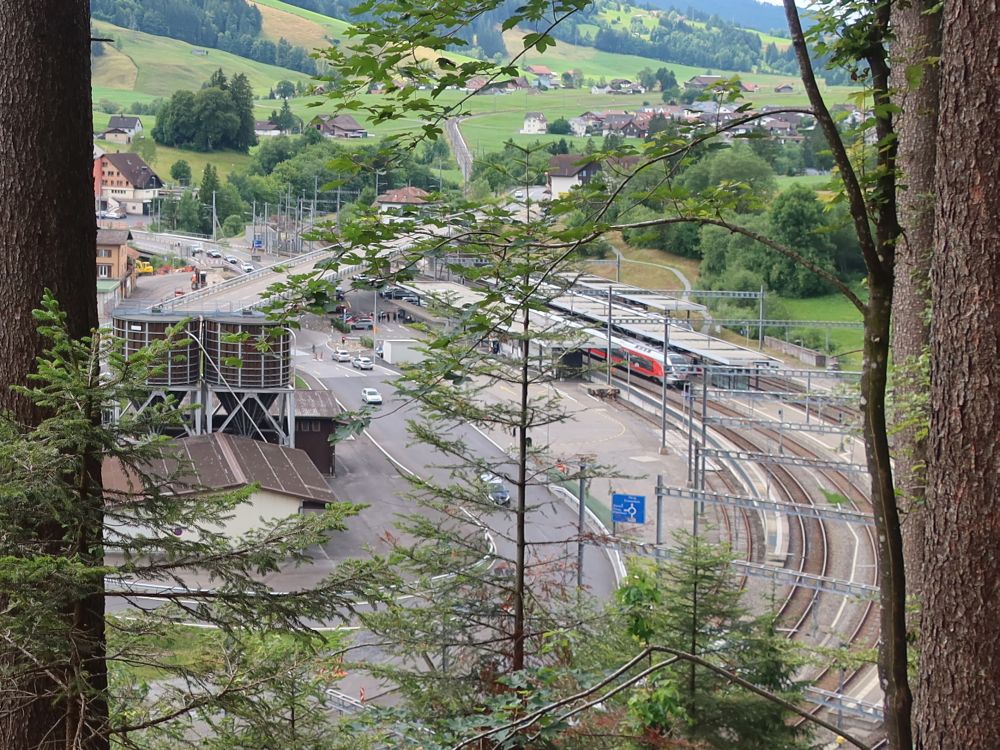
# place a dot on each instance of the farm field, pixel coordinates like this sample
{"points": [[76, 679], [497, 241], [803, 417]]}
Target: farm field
{"points": [[224, 161], [161, 65], [299, 26]]}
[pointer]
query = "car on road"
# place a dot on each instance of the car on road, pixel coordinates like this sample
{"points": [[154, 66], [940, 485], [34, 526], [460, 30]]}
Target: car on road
{"points": [[362, 363], [496, 490], [213, 253], [232, 259], [248, 267], [341, 355], [398, 293], [519, 194], [362, 324], [371, 396]]}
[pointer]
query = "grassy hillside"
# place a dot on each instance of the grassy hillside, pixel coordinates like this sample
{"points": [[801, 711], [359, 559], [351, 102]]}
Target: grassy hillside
{"points": [[621, 18], [299, 26], [594, 63], [158, 66]]}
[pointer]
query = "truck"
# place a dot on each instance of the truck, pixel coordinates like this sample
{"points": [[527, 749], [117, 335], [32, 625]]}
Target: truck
{"points": [[401, 351]]}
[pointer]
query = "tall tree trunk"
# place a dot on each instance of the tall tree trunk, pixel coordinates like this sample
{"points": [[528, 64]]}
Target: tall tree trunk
{"points": [[915, 77], [960, 662], [47, 240]]}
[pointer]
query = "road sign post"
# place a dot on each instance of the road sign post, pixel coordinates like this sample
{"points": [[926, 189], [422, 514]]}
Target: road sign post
{"points": [[628, 508]]}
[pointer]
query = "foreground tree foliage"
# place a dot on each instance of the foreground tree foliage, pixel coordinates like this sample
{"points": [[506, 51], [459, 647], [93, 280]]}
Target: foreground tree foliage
{"points": [[121, 548], [57, 522]]}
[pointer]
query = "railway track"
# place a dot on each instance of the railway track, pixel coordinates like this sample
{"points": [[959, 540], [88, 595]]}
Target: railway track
{"points": [[813, 541], [824, 410], [809, 549]]}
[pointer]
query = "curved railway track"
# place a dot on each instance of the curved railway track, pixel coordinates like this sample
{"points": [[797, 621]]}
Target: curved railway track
{"points": [[809, 548]]}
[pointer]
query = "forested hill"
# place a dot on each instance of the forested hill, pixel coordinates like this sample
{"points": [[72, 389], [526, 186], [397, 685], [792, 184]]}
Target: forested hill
{"points": [[750, 14], [230, 25]]}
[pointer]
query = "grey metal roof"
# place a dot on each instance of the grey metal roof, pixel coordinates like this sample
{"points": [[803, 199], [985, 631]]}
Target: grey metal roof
{"points": [[226, 462]]}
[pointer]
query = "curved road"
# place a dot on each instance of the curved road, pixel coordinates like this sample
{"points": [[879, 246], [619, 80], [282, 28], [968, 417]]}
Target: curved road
{"points": [[370, 471]]}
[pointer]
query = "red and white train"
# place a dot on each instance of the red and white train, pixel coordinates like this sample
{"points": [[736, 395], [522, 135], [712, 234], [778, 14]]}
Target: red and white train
{"points": [[646, 361]]}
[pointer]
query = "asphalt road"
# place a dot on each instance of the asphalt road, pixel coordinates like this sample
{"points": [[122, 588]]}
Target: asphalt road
{"points": [[370, 469]]}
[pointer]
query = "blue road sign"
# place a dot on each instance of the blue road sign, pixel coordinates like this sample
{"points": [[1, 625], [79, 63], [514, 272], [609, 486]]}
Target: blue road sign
{"points": [[258, 244], [628, 508]]}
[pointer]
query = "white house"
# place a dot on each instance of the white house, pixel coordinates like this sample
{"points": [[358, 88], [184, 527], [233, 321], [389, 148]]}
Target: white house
{"points": [[567, 171], [399, 201], [287, 481], [534, 124], [122, 128]]}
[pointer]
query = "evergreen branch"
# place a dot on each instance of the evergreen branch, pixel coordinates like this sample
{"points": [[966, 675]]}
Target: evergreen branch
{"points": [[676, 655]]}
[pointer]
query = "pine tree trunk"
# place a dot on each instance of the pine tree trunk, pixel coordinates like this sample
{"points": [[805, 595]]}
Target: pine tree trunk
{"points": [[959, 661], [917, 38], [47, 240]]}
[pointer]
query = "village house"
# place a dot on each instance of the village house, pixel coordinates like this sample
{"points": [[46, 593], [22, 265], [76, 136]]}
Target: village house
{"points": [[505, 87], [784, 88], [122, 129], [534, 124], [127, 180], [625, 86], [700, 83], [266, 129], [544, 77], [338, 126], [567, 171], [401, 200], [115, 267], [588, 123]]}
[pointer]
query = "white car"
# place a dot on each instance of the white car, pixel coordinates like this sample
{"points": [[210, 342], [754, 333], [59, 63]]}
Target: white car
{"points": [[213, 254], [341, 355], [248, 267], [371, 396], [362, 363]]}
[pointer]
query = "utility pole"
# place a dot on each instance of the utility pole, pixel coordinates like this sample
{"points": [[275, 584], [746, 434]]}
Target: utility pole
{"points": [[609, 335], [214, 218], [659, 513], [581, 518], [760, 321], [663, 381]]}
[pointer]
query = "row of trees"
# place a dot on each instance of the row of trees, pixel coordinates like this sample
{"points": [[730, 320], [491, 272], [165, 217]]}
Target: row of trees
{"points": [[218, 116]]}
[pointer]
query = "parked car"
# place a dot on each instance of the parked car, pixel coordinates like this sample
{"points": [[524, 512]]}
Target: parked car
{"points": [[248, 267], [232, 259], [213, 254], [496, 490], [371, 396], [400, 294], [341, 355], [362, 363]]}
